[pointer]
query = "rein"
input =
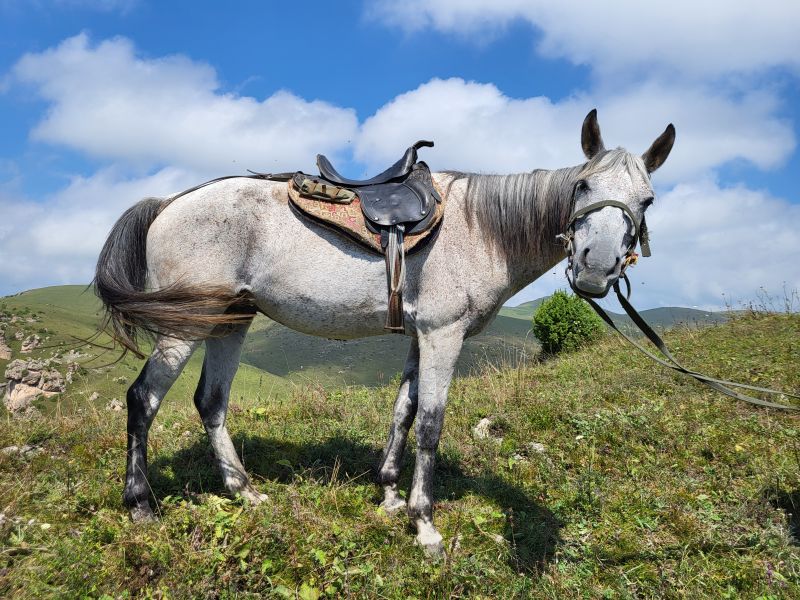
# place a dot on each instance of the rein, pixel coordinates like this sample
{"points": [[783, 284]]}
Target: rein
{"points": [[668, 360]]}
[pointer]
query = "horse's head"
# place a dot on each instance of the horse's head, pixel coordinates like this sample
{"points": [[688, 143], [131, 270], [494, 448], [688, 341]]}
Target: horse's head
{"points": [[610, 197]]}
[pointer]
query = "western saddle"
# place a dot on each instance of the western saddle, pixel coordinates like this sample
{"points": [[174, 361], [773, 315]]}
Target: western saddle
{"points": [[391, 213]]}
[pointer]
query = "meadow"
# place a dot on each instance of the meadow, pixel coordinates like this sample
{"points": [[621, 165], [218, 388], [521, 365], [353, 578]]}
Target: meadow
{"points": [[604, 477]]}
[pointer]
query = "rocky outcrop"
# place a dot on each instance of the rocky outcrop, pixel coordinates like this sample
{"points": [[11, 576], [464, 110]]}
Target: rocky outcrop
{"points": [[27, 380], [19, 399], [31, 342], [5, 351]]}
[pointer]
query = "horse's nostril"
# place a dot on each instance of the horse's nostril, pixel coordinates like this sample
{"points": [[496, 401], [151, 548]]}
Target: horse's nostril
{"points": [[613, 269], [585, 252]]}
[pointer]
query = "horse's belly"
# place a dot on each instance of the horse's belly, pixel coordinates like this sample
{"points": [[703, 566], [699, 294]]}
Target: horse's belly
{"points": [[325, 291]]}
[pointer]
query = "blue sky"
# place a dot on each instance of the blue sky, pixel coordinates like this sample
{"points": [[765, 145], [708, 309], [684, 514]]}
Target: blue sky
{"points": [[106, 101]]}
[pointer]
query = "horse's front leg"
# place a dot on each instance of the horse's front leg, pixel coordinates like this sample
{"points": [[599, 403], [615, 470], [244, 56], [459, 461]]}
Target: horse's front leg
{"points": [[438, 352], [405, 409]]}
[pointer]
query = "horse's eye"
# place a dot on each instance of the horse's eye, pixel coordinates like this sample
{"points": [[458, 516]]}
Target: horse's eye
{"points": [[581, 186]]}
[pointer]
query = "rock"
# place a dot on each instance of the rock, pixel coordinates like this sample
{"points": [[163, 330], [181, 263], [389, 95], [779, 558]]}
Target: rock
{"points": [[52, 382], [5, 351], [19, 397], [31, 342], [535, 447], [72, 368], [20, 334], [483, 430], [114, 405], [26, 451], [27, 380], [71, 356], [95, 396]]}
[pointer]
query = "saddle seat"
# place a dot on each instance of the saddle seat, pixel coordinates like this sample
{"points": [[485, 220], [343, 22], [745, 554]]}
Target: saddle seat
{"points": [[390, 214], [398, 170]]}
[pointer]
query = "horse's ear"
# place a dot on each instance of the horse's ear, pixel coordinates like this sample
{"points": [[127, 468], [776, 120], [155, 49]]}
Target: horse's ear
{"points": [[591, 140], [659, 151]]}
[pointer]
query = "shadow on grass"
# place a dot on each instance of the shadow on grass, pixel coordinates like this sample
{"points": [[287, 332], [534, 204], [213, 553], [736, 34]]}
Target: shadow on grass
{"points": [[531, 530], [789, 502]]}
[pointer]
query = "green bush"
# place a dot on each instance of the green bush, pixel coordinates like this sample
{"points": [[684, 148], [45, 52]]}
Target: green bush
{"points": [[564, 322]]}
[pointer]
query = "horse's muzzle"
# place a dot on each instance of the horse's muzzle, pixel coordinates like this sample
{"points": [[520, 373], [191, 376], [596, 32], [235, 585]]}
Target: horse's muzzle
{"points": [[593, 283]]}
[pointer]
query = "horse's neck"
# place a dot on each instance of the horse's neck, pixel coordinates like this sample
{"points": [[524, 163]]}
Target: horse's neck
{"points": [[553, 189], [496, 275]]}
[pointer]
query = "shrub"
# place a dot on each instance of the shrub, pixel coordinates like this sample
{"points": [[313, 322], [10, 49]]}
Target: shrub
{"points": [[564, 322]]}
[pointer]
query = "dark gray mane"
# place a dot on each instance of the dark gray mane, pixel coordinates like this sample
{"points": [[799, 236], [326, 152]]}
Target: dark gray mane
{"points": [[522, 213]]}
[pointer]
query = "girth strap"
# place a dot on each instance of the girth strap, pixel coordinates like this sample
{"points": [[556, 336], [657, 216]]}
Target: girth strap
{"points": [[672, 363], [395, 256]]}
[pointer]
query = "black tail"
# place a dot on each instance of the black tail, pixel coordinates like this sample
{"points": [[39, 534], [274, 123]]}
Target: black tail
{"points": [[120, 280]]}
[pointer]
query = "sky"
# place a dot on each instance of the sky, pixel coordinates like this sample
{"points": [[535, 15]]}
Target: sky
{"points": [[104, 102]]}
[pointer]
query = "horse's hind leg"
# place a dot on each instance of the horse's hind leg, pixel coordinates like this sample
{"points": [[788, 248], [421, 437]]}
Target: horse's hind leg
{"points": [[144, 397], [211, 400], [405, 409]]}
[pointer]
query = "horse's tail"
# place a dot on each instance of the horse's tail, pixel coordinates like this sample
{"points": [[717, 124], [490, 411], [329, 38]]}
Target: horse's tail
{"points": [[180, 310]]}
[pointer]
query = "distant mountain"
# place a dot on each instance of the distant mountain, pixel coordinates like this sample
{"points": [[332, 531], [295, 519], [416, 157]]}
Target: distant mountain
{"points": [[660, 318]]}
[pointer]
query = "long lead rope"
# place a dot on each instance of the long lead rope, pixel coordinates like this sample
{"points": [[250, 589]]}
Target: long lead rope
{"points": [[671, 362], [640, 235]]}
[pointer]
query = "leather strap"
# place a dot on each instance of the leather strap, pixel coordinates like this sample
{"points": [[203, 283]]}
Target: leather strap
{"points": [[640, 233], [671, 362]]}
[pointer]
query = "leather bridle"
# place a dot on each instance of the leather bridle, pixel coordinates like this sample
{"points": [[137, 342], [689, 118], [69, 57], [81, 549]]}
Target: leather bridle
{"points": [[640, 236]]}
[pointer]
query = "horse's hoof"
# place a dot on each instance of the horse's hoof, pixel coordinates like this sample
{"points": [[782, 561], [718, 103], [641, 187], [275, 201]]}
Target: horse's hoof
{"points": [[253, 496], [143, 514], [392, 506], [432, 545], [430, 540]]}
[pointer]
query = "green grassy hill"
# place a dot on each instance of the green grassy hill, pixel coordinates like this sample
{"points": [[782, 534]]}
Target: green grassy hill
{"points": [[613, 479], [369, 361], [63, 316], [73, 312], [304, 359]]}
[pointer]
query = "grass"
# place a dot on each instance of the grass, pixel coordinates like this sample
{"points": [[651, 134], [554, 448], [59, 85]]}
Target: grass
{"points": [[645, 485]]}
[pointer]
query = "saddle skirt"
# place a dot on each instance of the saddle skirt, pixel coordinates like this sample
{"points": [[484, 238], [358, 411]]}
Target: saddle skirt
{"points": [[343, 213]]}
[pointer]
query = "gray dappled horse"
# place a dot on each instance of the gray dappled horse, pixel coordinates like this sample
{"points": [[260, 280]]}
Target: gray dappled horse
{"points": [[199, 267]]}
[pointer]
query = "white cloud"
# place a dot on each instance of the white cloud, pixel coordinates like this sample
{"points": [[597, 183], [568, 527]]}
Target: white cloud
{"points": [[712, 246], [110, 103], [683, 36], [710, 240], [478, 128], [57, 241]]}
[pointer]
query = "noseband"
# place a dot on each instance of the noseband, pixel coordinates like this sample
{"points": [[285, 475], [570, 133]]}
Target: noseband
{"points": [[640, 237]]}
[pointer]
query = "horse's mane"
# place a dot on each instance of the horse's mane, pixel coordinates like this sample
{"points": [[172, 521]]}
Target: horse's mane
{"points": [[522, 213]]}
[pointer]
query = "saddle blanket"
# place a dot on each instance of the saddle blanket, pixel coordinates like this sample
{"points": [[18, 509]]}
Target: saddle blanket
{"points": [[348, 218]]}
